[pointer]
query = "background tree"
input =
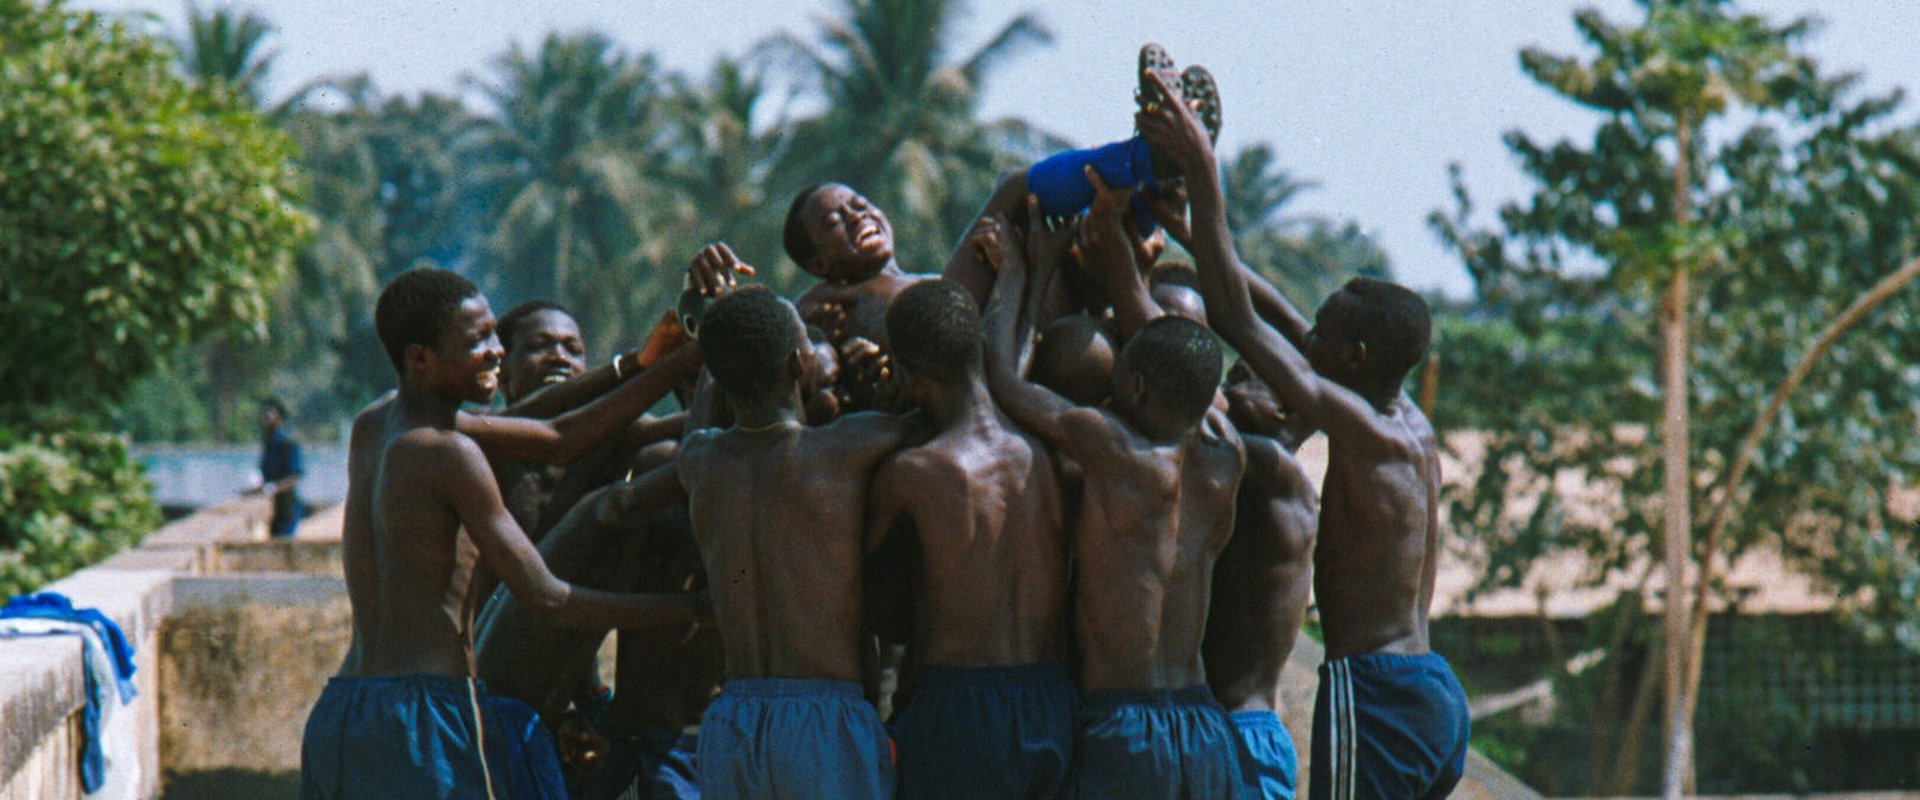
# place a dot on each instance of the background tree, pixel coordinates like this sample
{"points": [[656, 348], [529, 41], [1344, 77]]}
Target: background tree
{"points": [[1781, 224], [899, 120], [1306, 257], [224, 47], [137, 215], [567, 165]]}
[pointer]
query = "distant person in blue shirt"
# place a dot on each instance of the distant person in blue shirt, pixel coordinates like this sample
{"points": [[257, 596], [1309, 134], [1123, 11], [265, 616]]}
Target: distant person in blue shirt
{"points": [[280, 469]]}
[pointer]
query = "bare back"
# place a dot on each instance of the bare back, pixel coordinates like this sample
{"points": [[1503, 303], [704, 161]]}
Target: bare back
{"points": [[1153, 520], [1379, 543], [988, 514], [1261, 581], [777, 514]]}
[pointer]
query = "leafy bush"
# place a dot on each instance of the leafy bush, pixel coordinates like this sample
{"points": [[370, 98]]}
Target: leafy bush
{"points": [[67, 500]]}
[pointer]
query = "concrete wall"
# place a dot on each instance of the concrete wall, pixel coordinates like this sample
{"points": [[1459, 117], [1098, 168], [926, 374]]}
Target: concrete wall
{"points": [[41, 683]]}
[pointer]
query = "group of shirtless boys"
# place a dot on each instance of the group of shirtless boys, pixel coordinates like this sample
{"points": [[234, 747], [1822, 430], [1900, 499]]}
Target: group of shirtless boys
{"points": [[1013, 507]]}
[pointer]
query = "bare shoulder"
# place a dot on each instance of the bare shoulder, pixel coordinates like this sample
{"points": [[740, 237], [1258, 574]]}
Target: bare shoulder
{"points": [[372, 420], [1095, 429], [1411, 431], [864, 432], [908, 468]]}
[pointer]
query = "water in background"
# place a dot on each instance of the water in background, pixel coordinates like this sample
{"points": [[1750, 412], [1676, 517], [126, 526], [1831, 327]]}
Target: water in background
{"points": [[195, 476]]}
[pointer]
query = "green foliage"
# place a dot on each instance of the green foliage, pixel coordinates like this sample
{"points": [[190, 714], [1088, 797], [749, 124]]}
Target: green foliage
{"points": [[1792, 217], [136, 214], [66, 501]]}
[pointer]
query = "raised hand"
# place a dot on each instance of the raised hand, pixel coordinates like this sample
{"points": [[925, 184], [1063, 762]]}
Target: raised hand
{"points": [[1174, 129], [829, 315], [1169, 208], [1047, 244], [713, 270]]}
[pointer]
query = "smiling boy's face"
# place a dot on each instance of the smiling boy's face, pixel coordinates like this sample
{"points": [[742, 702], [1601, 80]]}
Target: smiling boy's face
{"points": [[466, 360], [546, 350], [852, 239]]}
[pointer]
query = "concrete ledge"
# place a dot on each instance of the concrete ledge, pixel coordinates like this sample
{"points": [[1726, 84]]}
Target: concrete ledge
{"points": [[296, 555], [42, 683], [235, 592], [40, 688]]}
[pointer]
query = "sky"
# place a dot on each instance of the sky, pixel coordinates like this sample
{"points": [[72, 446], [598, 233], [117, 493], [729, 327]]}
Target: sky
{"points": [[1370, 100]]}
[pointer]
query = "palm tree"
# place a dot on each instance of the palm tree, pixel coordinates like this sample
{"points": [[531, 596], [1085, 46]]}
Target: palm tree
{"points": [[1307, 258], [719, 164], [566, 168], [223, 48], [900, 119]]}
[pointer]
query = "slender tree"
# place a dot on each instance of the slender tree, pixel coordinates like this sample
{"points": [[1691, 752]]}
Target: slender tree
{"points": [[1676, 209]]}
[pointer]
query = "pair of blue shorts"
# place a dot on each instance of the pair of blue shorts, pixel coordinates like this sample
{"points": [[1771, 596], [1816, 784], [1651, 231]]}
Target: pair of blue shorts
{"points": [[1154, 744], [1061, 185], [655, 763], [986, 732], [1388, 726], [414, 736], [1270, 747], [794, 739]]}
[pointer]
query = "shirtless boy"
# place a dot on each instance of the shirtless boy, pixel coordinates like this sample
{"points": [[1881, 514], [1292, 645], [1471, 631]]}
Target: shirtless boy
{"points": [[1157, 509], [993, 716], [1390, 719], [777, 512], [1260, 584], [381, 727]]}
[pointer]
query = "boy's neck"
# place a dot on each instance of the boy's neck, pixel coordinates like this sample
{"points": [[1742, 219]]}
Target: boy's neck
{"points": [[962, 401], [891, 269], [778, 408], [1157, 428], [427, 406]]}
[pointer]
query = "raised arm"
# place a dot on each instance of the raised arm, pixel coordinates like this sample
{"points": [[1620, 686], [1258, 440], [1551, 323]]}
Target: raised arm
{"points": [[1109, 247], [1033, 406], [1170, 210], [564, 439], [470, 490], [1224, 283]]}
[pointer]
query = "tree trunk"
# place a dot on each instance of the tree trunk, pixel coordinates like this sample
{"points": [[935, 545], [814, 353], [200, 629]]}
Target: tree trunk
{"points": [[1743, 458], [1678, 486], [1627, 766], [1430, 384]]}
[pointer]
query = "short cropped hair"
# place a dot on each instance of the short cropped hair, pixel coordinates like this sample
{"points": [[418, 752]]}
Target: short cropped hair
{"points": [[745, 337], [275, 404], [1389, 318], [794, 237], [509, 328], [414, 308], [934, 330], [1180, 361], [1176, 273], [1074, 358]]}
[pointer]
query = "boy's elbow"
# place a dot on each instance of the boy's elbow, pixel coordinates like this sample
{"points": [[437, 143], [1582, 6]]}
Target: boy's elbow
{"points": [[547, 601]]}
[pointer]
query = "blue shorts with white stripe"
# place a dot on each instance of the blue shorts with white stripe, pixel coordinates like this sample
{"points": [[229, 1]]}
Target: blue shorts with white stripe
{"points": [[1388, 726]]}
